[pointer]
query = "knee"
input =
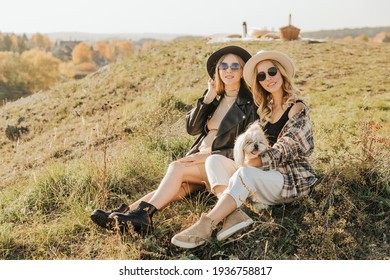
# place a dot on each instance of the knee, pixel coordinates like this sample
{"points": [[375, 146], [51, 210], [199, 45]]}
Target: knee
{"points": [[176, 166], [242, 171], [241, 174], [213, 160]]}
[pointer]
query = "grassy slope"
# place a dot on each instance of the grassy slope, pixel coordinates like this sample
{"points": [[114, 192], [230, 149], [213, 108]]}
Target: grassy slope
{"points": [[109, 138]]}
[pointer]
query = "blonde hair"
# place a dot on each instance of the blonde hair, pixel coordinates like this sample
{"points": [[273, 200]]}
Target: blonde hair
{"points": [[219, 84], [263, 99]]}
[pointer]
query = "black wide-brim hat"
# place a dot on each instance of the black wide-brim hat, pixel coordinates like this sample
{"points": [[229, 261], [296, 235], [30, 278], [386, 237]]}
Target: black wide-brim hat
{"points": [[213, 59]]}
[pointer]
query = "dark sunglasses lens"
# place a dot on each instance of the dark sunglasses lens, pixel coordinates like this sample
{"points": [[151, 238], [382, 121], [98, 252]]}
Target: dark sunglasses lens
{"points": [[261, 76], [223, 66], [272, 71], [235, 66]]}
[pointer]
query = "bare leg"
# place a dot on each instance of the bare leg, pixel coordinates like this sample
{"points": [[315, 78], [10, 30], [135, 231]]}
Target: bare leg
{"points": [[172, 182], [179, 181], [218, 190], [184, 190], [225, 205], [145, 198]]}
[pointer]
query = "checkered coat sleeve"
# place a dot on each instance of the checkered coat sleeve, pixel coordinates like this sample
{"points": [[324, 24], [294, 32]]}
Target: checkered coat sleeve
{"points": [[290, 156]]}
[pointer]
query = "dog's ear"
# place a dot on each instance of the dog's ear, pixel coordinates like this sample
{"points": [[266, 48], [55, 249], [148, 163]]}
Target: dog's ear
{"points": [[257, 127], [238, 152], [254, 126]]}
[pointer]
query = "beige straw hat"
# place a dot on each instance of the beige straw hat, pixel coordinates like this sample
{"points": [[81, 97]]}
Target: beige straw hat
{"points": [[280, 57]]}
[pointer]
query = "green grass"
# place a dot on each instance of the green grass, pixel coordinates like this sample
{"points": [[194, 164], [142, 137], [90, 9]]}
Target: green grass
{"points": [[109, 138]]}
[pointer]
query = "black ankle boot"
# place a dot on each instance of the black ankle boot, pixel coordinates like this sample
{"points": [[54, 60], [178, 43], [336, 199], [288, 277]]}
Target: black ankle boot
{"points": [[100, 217], [140, 219]]}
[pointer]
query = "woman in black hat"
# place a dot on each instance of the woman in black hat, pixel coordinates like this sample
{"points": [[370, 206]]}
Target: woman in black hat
{"points": [[219, 116]]}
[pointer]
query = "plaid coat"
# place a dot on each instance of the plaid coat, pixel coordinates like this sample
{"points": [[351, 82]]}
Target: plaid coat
{"points": [[290, 156]]}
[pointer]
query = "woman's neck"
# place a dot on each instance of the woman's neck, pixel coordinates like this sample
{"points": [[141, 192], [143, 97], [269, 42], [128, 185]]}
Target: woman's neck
{"points": [[232, 90], [232, 87], [277, 98]]}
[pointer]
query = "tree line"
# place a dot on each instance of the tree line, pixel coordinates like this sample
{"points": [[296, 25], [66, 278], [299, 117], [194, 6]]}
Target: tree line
{"points": [[20, 43], [28, 65]]}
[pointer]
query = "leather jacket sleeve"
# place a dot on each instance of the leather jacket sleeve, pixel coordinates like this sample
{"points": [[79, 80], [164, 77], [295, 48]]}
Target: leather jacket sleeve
{"points": [[196, 119]]}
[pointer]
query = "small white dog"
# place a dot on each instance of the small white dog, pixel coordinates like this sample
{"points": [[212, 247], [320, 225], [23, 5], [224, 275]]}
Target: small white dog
{"points": [[250, 144]]}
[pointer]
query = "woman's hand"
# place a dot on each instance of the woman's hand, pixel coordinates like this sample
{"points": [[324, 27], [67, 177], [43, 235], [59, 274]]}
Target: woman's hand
{"points": [[193, 159], [254, 162], [211, 92]]}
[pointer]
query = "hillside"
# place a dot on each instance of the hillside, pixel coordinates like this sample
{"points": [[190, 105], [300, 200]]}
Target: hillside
{"points": [[370, 32], [109, 137]]}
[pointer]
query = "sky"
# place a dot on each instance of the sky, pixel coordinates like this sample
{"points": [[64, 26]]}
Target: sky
{"points": [[195, 17]]}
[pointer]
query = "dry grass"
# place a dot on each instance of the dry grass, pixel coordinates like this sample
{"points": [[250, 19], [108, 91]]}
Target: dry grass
{"points": [[109, 137]]}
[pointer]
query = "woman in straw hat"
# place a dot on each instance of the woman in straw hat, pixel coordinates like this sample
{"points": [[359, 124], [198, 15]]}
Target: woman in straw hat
{"points": [[280, 174], [224, 111]]}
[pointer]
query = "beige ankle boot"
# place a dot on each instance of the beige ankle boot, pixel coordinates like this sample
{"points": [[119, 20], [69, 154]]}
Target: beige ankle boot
{"points": [[236, 221], [196, 235]]}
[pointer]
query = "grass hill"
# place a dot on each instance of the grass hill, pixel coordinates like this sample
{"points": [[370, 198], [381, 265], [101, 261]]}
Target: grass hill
{"points": [[109, 137]]}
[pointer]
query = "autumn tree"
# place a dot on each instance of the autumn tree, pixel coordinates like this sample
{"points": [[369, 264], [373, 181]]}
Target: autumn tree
{"points": [[12, 76], [42, 69], [40, 41], [6, 43], [22, 43], [1, 42], [81, 54], [123, 49], [13, 80], [13, 42], [114, 50], [82, 60], [106, 50]]}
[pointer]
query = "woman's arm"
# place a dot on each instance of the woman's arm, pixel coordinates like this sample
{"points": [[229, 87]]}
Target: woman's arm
{"points": [[196, 118], [295, 109], [295, 141]]}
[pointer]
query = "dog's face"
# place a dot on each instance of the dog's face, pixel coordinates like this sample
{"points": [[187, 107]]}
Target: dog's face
{"points": [[250, 144]]}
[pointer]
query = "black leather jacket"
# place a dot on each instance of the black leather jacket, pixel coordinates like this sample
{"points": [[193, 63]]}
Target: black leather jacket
{"points": [[240, 115]]}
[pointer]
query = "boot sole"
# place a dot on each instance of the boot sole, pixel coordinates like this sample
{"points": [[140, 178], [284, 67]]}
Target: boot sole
{"points": [[222, 235], [141, 229], [186, 245], [126, 225], [100, 220]]}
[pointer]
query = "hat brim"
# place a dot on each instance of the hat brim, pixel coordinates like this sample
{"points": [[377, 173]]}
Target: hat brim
{"points": [[280, 57], [213, 59]]}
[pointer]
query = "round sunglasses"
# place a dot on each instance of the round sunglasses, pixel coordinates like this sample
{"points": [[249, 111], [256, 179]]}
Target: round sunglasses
{"points": [[272, 71], [234, 66]]}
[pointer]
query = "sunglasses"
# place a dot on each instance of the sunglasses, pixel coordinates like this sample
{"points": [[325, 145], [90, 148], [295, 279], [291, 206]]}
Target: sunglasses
{"points": [[272, 71], [234, 66]]}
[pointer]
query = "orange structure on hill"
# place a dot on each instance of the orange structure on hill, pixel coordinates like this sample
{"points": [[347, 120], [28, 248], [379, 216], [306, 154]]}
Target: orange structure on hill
{"points": [[289, 32]]}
